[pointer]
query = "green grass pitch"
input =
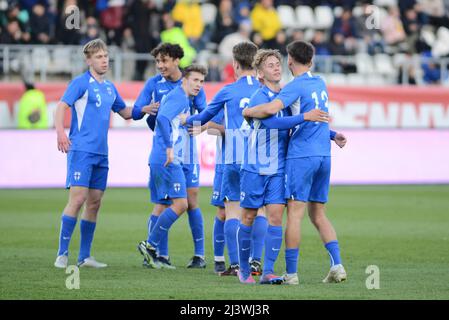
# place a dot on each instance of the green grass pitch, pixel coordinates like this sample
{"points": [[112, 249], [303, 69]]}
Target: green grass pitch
{"points": [[404, 230]]}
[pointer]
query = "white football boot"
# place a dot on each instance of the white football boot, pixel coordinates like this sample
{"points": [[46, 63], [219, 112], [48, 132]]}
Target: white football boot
{"points": [[336, 274], [92, 263], [291, 278], [61, 262]]}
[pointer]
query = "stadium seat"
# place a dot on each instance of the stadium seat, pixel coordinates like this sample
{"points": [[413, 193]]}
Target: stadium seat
{"points": [[375, 80], [357, 11], [208, 13], [6, 121], [385, 3], [305, 17], [335, 79], [383, 64], [337, 12], [364, 63], [40, 58], [287, 16], [324, 17], [441, 46], [356, 79], [58, 63]]}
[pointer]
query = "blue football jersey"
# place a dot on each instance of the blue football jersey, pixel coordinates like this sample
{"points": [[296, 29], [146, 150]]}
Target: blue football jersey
{"points": [[91, 103], [220, 147], [172, 105], [302, 94], [266, 148], [155, 89], [232, 98]]}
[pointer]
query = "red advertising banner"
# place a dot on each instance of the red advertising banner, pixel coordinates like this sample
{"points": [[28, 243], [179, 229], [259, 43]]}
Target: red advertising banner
{"points": [[392, 107]]}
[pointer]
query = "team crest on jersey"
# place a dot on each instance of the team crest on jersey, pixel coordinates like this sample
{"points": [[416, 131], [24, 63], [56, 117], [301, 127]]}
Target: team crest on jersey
{"points": [[242, 196], [215, 195], [109, 90], [177, 186], [77, 175]]}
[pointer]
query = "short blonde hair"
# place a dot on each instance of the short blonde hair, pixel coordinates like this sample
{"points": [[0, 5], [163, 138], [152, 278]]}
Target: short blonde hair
{"points": [[94, 46], [263, 54]]}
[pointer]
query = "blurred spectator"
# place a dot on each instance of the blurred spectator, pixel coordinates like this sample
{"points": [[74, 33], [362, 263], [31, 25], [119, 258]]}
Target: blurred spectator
{"points": [[392, 28], [257, 39], [431, 70], [13, 34], [280, 42], [435, 11], [321, 50], [111, 19], [29, 4], [407, 71], [224, 24], [174, 34], [143, 18], [297, 34], [337, 47], [412, 28], [371, 39], [226, 45], [265, 20], [242, 11], [62, 33], [32, 113], [188, 13], [92, 30], [40, 25], [214, 73], [345, 25]]}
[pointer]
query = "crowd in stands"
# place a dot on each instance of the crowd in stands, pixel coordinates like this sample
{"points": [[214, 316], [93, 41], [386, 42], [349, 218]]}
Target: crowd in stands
{"points": [[410, 27]]}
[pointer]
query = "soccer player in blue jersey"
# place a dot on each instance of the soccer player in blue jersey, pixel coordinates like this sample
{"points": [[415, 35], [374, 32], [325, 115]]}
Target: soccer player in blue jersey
{"points": [[232, 99], [167, 58], [167, 180], [262, 176], [307, 168], [91, 99]]}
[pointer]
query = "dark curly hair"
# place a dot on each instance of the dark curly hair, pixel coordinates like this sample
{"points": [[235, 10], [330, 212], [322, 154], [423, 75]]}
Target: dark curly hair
{"points": [[174, 51]]}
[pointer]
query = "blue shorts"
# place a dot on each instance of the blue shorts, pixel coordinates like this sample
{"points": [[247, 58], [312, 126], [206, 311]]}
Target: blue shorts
{"points": [[307, 179], [230, 185], [192, 174], [216, 199], [258, 190], [85, 169], [166, 183]]}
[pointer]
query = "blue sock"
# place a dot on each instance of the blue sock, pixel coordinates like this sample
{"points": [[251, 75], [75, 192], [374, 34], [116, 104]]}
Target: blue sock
{"points": [[152, 220], [87, 236], [244, 243], [166, 219], [291, 260], [334, 252], [230, 230], [273, 243], [162, 248], [219, 238], [196, 226], [67, 226], [258, 237]]}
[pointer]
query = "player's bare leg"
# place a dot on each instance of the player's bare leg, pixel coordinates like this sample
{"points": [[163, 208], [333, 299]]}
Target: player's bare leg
{"points": [[317, 213], [77, 198], [87, 226]]}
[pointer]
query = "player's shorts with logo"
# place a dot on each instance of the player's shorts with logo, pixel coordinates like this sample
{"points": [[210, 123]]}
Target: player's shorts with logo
{"points": [[216, 198], [192, 174], [307, 179], [258, 190], [167, 183], [230, 185], [86, 169]]}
